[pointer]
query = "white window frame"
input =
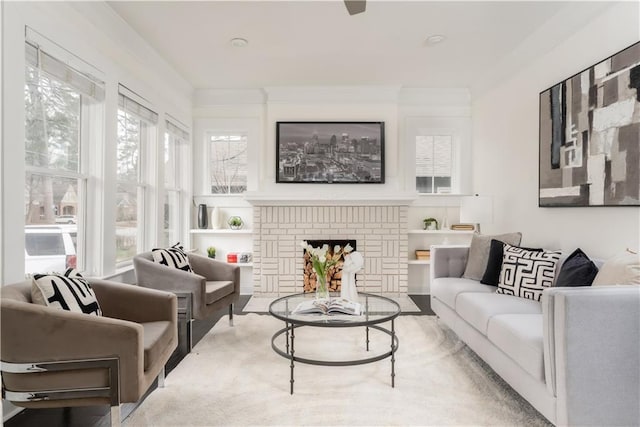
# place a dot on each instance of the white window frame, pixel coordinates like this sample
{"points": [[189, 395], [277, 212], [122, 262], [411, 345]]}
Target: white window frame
{"points": [[207, 142], [66, 66], [459, 128], [181, 138], [138, 108], [252, 126]]}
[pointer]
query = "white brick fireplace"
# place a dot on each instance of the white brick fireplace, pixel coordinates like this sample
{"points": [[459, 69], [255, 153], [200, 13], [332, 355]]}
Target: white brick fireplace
{"points": [[379, 228]]}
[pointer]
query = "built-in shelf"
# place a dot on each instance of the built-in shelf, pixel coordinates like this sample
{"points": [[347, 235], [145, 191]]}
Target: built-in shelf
{"points": [[242, 264], [441, 232], [221, 231], [419, 261]]}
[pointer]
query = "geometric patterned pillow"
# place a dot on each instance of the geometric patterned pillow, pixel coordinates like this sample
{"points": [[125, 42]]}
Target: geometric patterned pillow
{"points": [[175, 257], [527, 273], [68, 291]]}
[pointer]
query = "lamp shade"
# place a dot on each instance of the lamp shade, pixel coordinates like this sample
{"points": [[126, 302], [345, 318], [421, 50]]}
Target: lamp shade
{"points": [[476, 210]]}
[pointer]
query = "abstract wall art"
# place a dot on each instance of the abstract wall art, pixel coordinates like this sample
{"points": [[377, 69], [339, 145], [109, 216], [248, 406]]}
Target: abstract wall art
{"points": [[590, 136]]}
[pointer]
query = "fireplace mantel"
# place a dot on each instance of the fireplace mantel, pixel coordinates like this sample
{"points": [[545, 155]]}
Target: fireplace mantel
{"points": [[336, 199]]}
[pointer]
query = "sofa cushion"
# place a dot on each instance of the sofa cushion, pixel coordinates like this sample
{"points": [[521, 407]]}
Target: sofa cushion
{"points": [[478, 308], [526, 273], [174, 257], [447, 289], [68, 292], [217, 289], [520, 336], [157, 336], [622, 269], [479, 253], [576, 270]]}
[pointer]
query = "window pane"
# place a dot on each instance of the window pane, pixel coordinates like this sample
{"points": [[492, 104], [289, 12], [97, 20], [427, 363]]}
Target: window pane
{"points": [[129, 135], [442, 149], [424, 164], [171, 218], [228, 163], [50, 199], [52, 122], [51, 218], [126, 221], [170, 161], [434, 160]]}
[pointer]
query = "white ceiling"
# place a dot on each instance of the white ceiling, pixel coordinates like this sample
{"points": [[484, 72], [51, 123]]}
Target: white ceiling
{"points": [[317, 43]]}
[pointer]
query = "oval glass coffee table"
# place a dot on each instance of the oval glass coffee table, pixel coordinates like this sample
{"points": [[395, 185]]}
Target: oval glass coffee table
{"points": [[376, 309]]}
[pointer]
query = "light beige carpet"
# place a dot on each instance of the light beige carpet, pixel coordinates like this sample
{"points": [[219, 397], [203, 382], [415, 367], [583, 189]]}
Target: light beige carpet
{"points": [[261, 304], [234, 378]]}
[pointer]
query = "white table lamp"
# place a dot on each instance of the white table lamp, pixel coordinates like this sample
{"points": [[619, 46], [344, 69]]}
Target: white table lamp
{"points": [[476, 210]]}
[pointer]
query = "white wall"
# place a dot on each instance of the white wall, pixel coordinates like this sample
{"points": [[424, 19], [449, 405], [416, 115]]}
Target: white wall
{"points": [[505, 146], [391, 104]]}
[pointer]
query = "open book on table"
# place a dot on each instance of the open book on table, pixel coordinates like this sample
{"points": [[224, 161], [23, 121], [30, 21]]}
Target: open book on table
{"points": [[335, 306]]}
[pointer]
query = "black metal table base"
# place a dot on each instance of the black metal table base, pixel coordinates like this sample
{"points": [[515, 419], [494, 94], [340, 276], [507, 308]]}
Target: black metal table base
{"points": [[289, 352]]}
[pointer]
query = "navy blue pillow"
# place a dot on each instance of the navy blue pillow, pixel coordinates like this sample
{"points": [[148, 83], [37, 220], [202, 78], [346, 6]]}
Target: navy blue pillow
{"points": [[577, 270]]}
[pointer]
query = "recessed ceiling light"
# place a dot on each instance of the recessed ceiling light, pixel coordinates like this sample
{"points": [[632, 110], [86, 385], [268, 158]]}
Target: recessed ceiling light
{"points": [[238, 42], [435, 39]]}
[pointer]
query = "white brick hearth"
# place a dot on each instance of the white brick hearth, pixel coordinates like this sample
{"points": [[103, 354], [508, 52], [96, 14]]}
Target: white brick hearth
{"points": [[380, 233]]}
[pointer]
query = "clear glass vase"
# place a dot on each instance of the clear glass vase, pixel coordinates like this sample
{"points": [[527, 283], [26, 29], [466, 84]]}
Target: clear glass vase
{"points": [[322, 289]]}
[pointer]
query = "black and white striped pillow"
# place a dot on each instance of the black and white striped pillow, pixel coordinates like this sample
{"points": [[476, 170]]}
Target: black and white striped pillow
{"points": [[526, 273], [175, 257], [68, 291]]}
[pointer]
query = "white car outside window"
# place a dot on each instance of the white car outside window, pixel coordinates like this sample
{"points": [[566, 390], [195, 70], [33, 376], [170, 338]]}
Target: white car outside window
{"points": [[49, 248], [66, 219]]}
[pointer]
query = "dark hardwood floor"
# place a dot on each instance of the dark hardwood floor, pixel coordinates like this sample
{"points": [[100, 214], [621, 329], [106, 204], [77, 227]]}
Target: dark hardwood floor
{"points": [[98, 416]]}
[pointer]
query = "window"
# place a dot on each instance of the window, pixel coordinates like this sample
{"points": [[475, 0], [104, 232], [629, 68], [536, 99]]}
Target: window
{"points": [[136, 130], [434, 163], [62, 107], [228, 162], [174, 138]]}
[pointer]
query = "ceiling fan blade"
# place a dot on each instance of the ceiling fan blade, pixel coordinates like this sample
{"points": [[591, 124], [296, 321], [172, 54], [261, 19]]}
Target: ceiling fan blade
{"points": [[355, 6]]}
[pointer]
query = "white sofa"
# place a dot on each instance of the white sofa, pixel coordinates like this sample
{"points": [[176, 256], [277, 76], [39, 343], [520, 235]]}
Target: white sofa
{"points": [[575, 355]]}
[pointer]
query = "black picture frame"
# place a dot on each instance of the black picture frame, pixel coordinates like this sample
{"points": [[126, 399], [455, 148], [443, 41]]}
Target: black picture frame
{"points": [[589, 136], [330, 152]]}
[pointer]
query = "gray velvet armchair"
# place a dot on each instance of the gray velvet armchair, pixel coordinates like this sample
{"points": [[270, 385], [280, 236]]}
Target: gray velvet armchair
{"points": [[212, 285], [57, 358]]}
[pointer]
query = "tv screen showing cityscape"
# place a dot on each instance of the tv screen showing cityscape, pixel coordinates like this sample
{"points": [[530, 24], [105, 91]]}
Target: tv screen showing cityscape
{"points": [[330, 152]]}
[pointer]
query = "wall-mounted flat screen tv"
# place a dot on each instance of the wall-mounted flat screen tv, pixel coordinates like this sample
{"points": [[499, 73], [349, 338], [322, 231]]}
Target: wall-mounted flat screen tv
{"points": [[330, 152]]}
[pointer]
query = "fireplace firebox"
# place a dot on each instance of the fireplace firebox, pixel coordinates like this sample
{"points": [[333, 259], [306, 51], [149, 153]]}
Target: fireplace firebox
{"points": [[334, 274]]}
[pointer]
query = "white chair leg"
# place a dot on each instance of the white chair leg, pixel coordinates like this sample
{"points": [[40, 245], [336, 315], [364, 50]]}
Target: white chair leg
{"points": [[230, 314], [161, 378], [115, 416]]}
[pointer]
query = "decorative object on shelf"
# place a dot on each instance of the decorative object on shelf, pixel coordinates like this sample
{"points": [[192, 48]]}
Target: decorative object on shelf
{"points": [[245, 257], [235, 223], [321, 264], [353, 262], [588, 136], [476, 209], [462, 227], [215, 218], [430, 223], [423, 254], [202, 216], [444, 225], [211, 252], [330, 152], [232, 258]]}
